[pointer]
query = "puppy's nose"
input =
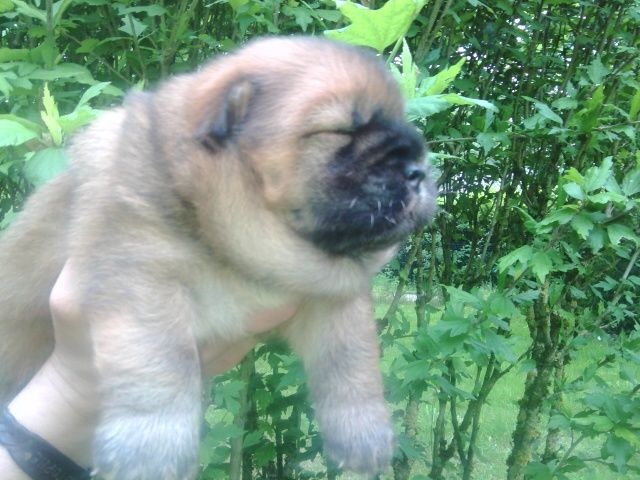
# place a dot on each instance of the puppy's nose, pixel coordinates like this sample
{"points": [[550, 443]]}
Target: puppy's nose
{"points": [[414, 174]]}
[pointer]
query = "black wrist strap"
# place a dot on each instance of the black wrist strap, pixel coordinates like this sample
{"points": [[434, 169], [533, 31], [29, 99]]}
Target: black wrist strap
{"points": [[35, 456]]}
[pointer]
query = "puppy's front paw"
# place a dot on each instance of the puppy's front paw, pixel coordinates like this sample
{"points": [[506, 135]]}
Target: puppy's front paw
{"points": [[358, 437], [147, 446]]}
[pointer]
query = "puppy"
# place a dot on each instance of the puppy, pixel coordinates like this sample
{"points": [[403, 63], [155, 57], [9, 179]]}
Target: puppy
{"points": [[283, 173]]}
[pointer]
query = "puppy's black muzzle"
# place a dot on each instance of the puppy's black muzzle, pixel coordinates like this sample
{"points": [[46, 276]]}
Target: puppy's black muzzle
{"points": [[414, 174], [374, 184], [394, 145]]}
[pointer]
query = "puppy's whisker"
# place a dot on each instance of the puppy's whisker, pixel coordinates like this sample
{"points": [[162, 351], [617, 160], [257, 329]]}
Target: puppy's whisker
{"points": [[353, 202], [372, 219], [379, 206], [390, 220], [404, 206]]}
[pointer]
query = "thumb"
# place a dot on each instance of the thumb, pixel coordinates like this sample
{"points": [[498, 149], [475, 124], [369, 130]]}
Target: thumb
{"points": [[73, 350]]}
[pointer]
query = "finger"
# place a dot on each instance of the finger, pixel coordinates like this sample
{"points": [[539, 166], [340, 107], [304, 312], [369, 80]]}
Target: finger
{"points": [[72, 357], [215, 360], [264, 321], [71, 332]]}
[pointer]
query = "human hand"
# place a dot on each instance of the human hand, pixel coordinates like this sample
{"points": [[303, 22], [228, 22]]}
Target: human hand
{"points": [[62, 403], [215, 359]]}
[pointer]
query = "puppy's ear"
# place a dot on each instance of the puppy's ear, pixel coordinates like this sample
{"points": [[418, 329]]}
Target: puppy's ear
{"points": [[219, 126]]}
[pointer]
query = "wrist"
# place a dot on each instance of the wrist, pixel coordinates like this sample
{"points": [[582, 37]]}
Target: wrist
{"points": [[60, 411]]}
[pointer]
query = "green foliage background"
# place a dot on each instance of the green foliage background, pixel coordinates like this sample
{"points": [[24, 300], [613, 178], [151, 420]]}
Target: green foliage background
{"points": [[509, 327]]}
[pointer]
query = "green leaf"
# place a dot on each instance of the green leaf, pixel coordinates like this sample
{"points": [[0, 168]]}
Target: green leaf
{"points": [[456, 99], [502, 306], [541, 265], [612, 185], [545, 111], [587, 118], [78, 118], [560, 422], [151, 10], [487, 141], [606, 197], [574, 175], [222, 432], [438, 83], [66, 70], [132, 26], [422, 107], [571, 465], [527, 296], [264, 454], [51, 117], [618, 231], [500, 346], [36, 127], [376, 28], [631, 182], [538, 471], [582, 224], [628, 435], [577, 293], [532, 122], [408, 447], [522, 255], [6, 6], [25, 9], [596, 239], [635, 106], [302, 15], [236, 5], [562, 216], [597, 71], [529, 222], [91, 92], [574, 190], [409, 76], [621, 451], [596, 99], [88, 45], [416, 370], [565, 103], [14, 54], [5, 87], [596, 177], [252, 438], [44, 165], [58, 10], [9, 217], [463, 297], [333, 16], [14, 133]]}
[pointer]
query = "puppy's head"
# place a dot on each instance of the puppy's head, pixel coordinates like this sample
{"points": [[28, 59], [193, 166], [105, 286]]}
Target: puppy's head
{"points": [[320, 127]]}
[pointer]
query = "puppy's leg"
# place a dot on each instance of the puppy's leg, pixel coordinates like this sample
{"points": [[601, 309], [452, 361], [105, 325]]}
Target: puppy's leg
{"points": [[337, 341], [149, 372]]}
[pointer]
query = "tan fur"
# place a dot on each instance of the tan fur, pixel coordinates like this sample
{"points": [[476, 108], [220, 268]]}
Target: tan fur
{"points": [[184, 212]]}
